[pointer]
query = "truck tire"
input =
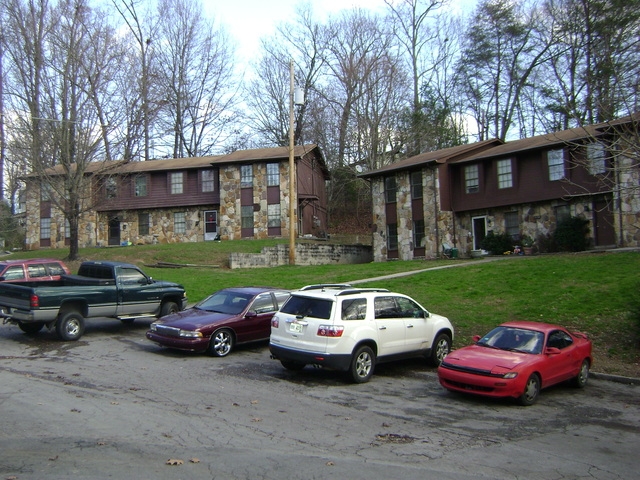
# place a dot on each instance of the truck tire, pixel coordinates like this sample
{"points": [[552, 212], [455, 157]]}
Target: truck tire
{"points": [[168, 308], [30, 328], [70, 326]]}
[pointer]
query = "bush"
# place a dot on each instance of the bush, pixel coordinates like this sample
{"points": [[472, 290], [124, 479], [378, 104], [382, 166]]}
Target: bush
{"points": [[497, 244], [571, 234], [10, 230], [546, 243]]}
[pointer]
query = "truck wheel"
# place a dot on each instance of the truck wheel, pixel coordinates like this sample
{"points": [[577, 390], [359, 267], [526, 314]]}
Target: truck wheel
{"points": [[168, 308], [30, 328], [70, 326]]}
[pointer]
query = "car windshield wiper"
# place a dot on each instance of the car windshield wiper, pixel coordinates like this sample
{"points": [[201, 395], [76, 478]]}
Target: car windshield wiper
{"points": [[516, 350], [485, 344]]}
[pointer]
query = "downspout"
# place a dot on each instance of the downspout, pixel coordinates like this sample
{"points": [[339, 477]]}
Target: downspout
{"points": [[435, 207]]}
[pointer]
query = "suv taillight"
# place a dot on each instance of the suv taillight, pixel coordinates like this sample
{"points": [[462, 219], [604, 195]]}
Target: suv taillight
{"points": [[330, 330], [275, 322], [35, 301]]}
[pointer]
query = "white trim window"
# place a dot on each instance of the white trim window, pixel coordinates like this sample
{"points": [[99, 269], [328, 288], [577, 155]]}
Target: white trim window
{"points": [[273, 215], [505, 174], [179, 223], [177, 183], [208, 181], [472, 178], [273, 174], [555, 161], [246, 176], [596, 157]]}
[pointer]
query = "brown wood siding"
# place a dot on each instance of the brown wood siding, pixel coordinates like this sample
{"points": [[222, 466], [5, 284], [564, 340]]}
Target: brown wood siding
{"points": [[273, 195], [310, 183], [417, 213], [391, 213], [530, 183], [158, 193], [45, 209]]}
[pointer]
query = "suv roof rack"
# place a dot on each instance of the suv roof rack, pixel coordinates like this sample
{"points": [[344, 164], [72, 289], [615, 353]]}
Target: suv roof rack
{"points": [[322, 286], [354, 291]]}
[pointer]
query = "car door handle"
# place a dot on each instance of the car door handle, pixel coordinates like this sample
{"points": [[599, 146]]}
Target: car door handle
{"points": [[382, 328], [409, 326]]}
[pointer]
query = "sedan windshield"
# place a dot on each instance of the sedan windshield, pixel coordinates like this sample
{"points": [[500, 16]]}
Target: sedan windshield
{"points": [[228, 302], [513, 339]]}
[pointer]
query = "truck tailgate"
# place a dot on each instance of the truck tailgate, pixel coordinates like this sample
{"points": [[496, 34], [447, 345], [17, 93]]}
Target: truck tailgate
{"points": [[15, 296]]}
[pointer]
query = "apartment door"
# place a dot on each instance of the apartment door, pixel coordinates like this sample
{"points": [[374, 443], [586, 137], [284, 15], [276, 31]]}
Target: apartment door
{"points": [[479, 225], [114, 231], [604, 234], [210, 225]]}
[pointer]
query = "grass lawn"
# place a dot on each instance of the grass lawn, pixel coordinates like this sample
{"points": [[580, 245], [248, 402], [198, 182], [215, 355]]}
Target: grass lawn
{"points": [[589, 292]]}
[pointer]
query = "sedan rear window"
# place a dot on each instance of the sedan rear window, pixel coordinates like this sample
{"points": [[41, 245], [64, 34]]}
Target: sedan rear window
{"points": [[308, 307]]}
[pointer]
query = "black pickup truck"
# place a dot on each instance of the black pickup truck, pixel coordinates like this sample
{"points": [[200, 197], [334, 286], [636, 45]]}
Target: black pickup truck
{"points": [[100, 289]]}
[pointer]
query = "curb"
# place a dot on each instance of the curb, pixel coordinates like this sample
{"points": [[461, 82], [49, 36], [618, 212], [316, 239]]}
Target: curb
{"points": [[615, 378]]}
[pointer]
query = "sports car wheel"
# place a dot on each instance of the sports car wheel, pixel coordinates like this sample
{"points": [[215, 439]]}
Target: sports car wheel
{"points": [[362, 364], [221, 343], [580, 380], [531, 391]]}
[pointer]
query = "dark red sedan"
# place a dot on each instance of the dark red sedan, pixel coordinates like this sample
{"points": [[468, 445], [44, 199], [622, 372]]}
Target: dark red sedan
{"points": [[518, 359], [219, 322]]}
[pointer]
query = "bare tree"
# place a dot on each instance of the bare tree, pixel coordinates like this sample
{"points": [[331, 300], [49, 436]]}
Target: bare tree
{"points": [[198, 83], [60, 77], [145, 104], [415, 29], [501, 52], [302, 41], [593, 73]]}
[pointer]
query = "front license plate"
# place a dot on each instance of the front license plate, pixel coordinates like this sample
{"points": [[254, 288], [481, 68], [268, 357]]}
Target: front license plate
{"points": [[296, 327]]}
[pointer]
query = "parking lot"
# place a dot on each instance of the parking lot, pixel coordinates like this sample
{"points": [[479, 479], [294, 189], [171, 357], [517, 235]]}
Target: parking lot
{"points": [[115, 405]]}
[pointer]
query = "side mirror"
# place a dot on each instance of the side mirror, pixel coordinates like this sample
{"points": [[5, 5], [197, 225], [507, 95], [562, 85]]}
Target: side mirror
{"points": [[552, 351], [251, 314], [476, 338]]}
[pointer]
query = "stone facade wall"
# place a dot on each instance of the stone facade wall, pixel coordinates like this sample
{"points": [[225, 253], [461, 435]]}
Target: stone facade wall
{"points": [[627, 208], [438, 224], [306, 254], [443, 227]]}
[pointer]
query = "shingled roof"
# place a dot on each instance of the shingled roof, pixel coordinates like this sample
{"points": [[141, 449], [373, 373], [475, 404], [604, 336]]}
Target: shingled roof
{"points": [[239, 156], [438, 156]]}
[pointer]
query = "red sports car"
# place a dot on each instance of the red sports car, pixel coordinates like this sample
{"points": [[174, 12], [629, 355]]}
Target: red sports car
{"points": [[518, 359]]}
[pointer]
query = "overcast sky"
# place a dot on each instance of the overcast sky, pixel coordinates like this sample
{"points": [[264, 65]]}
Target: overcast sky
{"points": [[249, 20]]}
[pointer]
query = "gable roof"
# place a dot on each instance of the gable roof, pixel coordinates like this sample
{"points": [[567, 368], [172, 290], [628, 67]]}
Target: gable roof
{"points": [[439, 156], [547, 141], [239, 156]]}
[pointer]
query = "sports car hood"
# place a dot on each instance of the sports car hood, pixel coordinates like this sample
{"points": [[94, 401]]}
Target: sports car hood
{"points": [[194, 319], [488, 359]]}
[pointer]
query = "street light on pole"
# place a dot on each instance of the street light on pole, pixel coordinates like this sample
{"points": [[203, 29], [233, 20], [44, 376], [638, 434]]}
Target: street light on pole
{"points": [[292, 176], [295, 98]]}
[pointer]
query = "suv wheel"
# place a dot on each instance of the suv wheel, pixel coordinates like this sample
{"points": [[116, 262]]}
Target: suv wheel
{"points": [[362, 365], [440, 349]]}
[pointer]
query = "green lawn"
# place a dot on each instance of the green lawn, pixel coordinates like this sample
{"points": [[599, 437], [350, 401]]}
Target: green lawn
{"points": [[590, 292]]}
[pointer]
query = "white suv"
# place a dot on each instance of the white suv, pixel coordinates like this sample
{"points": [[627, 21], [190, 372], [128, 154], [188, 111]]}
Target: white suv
{"points": [[351, 329]]}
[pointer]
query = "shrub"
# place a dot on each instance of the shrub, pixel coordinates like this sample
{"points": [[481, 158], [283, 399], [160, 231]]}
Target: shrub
{"points": [[571, 234], [546, 243], [497, 244]]}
